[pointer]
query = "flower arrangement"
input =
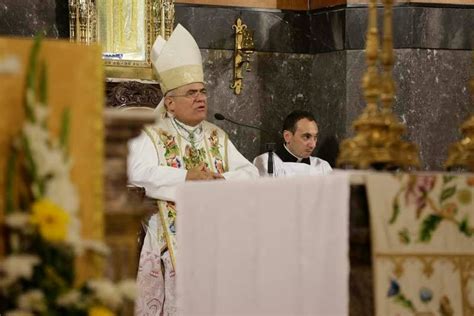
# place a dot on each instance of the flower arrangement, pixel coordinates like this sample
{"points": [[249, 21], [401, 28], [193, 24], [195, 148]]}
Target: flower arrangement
{"points": [[37, 275]]}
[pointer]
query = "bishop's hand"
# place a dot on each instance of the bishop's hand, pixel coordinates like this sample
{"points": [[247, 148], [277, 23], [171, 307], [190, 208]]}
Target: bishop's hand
{"points": [[201, 172]]}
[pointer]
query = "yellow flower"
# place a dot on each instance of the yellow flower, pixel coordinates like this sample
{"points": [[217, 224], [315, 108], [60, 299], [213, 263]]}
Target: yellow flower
{"points": [[100, 311], [52, 220]]}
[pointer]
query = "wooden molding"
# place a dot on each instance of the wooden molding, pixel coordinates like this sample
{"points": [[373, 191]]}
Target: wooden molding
{"points": [[320, 4], [132, 93], [265, 4]]}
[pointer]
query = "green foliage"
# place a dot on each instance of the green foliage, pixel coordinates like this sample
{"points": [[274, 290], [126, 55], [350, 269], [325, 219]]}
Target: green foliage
{"points": [[31, 76], [395, 211], [429, 225], [64, 134], [447, 193], [55, 274], [464, 227], [447, 178], [39, 266], [404, 236], [43, 85], [402, 300]]}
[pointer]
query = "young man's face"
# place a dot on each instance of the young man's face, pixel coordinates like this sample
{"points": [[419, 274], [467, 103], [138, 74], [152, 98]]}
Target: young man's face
{"points": [[303, 141], [188, 103]]}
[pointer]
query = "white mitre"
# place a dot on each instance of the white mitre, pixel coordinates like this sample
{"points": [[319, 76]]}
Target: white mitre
{"points": [[177, 61]]}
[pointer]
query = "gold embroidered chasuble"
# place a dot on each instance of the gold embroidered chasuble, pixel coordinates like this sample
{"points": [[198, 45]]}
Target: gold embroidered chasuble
{"points": [[183, 147]]}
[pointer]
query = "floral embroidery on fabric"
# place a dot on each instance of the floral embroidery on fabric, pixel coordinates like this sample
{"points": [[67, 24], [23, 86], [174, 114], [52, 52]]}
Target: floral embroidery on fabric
{"points": [[425, 296], [193, 157], [422, 234], [418, 190], [171, 149], [215, 153], [440, 206], [219, 164], [171, 209]]}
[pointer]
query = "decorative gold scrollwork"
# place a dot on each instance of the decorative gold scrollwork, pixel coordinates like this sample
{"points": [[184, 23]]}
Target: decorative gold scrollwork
{"points": [[163, 17], [244, 47], [82, 21]]}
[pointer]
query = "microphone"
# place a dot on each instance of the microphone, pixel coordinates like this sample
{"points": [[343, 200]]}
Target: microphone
{"points": [[268, 146], [221, 117]]}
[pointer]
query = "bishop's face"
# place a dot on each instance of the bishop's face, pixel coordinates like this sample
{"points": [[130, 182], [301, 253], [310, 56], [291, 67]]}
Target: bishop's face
{"points": [[188, 103], [302, 142]]}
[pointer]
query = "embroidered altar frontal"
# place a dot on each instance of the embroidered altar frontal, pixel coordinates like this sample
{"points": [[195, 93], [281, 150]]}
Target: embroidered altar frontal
{"points": [[422, 228], [75, 81]]}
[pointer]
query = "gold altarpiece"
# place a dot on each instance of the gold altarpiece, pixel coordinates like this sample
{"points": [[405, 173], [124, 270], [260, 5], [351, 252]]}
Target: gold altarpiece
{"points": [[126, 30]]}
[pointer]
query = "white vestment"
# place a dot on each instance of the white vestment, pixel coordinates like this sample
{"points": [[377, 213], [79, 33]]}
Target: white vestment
{"points": [[285, 164], [158, 161]]}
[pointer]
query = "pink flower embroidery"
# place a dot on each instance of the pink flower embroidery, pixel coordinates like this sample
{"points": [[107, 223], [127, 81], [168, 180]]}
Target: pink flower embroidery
{"points": [[417, 191]]}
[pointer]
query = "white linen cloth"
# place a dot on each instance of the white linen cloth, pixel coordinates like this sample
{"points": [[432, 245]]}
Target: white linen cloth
{"points": [[264, 247]]}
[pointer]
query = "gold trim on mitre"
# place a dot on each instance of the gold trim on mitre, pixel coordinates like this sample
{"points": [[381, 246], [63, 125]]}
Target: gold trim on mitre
{"points": [[177, 61], [180, 76]]}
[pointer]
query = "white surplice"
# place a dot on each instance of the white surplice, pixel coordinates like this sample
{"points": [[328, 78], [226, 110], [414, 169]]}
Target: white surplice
{"points": [[286, 164]]}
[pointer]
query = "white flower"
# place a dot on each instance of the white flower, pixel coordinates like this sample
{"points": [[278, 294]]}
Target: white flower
{"points": [[45, 159], [80, 245], [30, 97], [96, 245], [74, 236], [48, 161], [71, 298], [62, 192], [32, 300], [15, 267], [18, 312], [17, 220], [47, 155], [35, 133], [41, 112], [106, 292], [10, 64], [128, 289]]}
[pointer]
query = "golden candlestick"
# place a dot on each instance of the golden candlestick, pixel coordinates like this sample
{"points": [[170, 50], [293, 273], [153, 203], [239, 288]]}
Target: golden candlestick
{"points": [[377, 143], [366, 149], [405, 154]]}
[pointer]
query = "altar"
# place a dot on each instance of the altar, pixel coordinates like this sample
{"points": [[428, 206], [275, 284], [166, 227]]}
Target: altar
{"points": [[351, 243]]}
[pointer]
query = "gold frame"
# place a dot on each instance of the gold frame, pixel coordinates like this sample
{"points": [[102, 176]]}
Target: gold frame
{"points": [[159, 17]]}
